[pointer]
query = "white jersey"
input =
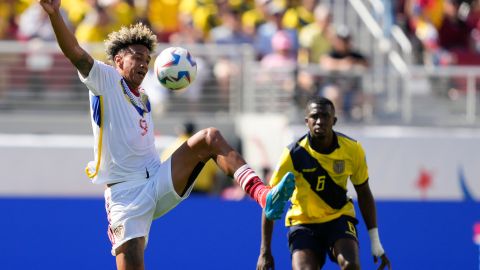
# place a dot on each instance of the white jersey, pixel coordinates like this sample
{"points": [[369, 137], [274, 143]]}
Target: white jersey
{"points": [[124, 139]]}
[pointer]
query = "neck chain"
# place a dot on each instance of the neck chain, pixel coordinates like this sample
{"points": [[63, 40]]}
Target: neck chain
{"points": [[141, 104]]}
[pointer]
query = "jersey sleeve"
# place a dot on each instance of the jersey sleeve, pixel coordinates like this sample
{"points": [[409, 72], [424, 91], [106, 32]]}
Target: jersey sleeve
{"points": [[284, 165], [360, 173], [99, 78]]}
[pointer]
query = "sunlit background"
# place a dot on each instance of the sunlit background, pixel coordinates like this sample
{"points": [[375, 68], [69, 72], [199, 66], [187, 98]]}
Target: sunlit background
{"points": [[410, 97]]}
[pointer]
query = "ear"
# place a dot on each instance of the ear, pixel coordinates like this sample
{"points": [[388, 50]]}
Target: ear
{"points": [[118, 61], [334, 120], [306, 121]]}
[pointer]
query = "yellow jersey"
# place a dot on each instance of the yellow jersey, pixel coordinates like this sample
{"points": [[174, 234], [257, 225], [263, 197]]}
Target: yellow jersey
{"points": [[297, 17], [321, 179]]}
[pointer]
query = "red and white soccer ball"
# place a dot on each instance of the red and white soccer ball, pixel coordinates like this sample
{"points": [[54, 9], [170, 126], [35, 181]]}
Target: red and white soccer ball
{"points": [[175, 68]]}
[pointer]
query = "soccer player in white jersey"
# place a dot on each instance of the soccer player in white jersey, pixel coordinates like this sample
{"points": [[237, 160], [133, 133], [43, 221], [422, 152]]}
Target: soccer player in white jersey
{"points": [[139, 188]]}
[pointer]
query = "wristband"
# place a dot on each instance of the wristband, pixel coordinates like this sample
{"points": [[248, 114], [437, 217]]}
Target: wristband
{"points": [[377, 249]]}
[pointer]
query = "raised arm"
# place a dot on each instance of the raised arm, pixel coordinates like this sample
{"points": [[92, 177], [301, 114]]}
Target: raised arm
{"points": [[265, 259], [66, 39], [366, 203]]}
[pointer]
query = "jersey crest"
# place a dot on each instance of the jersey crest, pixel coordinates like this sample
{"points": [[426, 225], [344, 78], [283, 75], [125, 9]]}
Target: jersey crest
{"points": [[339, 166]]}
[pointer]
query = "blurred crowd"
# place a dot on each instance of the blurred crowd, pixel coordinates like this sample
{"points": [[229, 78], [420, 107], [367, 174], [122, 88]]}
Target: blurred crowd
{"points": [[177, 21], [444, 29], [444, 32], [283, 33]]}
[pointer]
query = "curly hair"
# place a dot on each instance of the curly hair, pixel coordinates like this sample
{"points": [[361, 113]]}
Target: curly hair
{"points": [[126, 36]]}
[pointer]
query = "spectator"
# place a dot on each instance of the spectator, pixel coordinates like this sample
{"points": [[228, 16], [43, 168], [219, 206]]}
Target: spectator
{"points": [[447, 42], [456, 44], [315, 38], [33, 23], [474, 22], [253, 18], [104, 17], [96, 25], [230, 30], [299, 15], [423, 19], [124, 12], [34, 26], [9, 12], [430, 11], [343, 85], [282, 55], [229, 33], [187, 33], [278, 67], [263, 38], [166, 24], [315, 41], [454, 32], [204, 14], [76, 10]]}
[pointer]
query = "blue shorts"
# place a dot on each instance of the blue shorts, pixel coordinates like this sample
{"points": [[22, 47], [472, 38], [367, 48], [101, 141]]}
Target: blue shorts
{"points": [[320, 237]]}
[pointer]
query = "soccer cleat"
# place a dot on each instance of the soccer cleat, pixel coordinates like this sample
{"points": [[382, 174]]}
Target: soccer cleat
{"points": [[278, 196]]}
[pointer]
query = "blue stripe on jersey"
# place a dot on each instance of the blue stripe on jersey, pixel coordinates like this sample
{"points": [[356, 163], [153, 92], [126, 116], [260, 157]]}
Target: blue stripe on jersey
{"points": [[96, 108], [294, 144], [149, 107]]}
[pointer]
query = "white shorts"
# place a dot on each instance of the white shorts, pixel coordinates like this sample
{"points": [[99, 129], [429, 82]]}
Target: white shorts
{"points": [[133, 205]]}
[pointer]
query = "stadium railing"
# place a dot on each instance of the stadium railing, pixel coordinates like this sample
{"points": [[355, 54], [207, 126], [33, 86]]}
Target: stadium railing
{"points": [[35, 78]]}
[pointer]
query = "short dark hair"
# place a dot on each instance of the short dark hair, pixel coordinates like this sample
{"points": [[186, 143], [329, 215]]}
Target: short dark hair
{"points": [[320, 101], [134, 34]]}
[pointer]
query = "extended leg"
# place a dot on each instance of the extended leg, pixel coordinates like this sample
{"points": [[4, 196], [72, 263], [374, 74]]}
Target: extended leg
{"points": [[210, 144]]}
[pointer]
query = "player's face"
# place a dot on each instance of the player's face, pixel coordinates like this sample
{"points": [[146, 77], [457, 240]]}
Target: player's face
{"points": [[133, 63], [320, 120]]}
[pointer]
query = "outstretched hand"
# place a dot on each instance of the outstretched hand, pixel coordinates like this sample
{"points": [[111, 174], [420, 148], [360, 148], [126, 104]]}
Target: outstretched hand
{"points": [[50, 6], [385, 262]]}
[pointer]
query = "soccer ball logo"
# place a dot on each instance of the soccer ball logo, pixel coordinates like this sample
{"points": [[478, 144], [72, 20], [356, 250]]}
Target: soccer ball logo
{"points": [[175, 68]]}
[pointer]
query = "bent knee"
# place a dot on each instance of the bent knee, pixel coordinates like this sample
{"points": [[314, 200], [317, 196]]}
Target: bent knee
{"points": [[211, 135], [208, 143]]}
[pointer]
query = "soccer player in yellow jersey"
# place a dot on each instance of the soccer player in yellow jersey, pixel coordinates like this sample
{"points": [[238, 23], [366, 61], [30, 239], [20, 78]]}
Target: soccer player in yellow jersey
{"points": [[322, 219]]}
